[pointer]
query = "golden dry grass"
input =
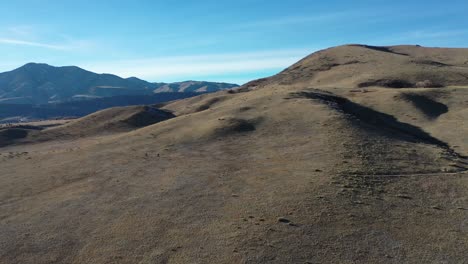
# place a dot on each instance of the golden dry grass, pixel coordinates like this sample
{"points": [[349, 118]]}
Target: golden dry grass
{"points": [[278, 173]]}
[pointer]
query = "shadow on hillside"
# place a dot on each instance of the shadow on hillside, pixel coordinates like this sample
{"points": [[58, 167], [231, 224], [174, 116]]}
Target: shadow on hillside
{"points": [[383, 122], [432, 109], [9, 136], [379, 48]]}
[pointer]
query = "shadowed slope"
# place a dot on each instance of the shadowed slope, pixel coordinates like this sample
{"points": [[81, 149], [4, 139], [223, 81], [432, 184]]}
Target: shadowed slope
{"points": [[428, 106], [380, 120], [109, 121], [113, 120]]}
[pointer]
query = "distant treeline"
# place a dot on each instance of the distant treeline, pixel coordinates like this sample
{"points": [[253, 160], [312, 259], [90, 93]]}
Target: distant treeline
{"points": [[84, 107]]}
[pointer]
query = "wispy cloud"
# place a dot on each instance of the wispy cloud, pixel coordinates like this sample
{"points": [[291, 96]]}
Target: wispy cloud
{"points": [[68, 45], [184, 67], [18, 42], [22, 31], [29, 36]]}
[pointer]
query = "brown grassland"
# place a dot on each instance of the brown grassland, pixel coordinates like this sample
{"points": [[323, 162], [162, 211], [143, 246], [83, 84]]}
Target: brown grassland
{"points": [[356, 154]]}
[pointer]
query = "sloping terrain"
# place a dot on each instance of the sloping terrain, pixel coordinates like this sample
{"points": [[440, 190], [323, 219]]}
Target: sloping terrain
{"points": [[109, 121], [112, 120], [368, 66], [282, 170]]}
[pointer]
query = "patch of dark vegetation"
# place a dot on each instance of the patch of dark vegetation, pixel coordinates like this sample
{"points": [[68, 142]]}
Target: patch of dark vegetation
{"points": [[284, 220], [8, 136], [379, 48], [397, 83], [149, 116], [14, 133], [351, 62], [30, 127], [432, 109], [207, 105], [245, 108], [388, 83], [235, 126], [431, 63], [326, 66], [381, 121], [202, 108]]}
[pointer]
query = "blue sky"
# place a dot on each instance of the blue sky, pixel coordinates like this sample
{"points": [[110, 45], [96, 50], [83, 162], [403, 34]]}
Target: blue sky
{"points": [[231, 41]]}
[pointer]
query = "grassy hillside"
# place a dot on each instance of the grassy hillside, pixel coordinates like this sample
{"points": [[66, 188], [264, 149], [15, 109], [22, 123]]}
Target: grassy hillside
{"points": [[302, 167], [360, 66]]}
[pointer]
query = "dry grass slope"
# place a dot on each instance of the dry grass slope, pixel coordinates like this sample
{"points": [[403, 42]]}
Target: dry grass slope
{"points": [[367, 66], [109, 121], [302, 167]]}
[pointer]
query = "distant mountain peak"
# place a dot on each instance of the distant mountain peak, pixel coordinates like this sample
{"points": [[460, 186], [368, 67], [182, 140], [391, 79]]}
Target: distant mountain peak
{"points": [[35, 65], [45, 66], [40, 83]]}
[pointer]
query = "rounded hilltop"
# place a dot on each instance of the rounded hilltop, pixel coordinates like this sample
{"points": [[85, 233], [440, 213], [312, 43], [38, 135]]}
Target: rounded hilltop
{"points": [[359, 66]]}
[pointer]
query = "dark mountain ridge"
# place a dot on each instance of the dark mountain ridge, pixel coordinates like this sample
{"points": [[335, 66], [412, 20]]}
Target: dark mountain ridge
{"points": [[38, 83]]}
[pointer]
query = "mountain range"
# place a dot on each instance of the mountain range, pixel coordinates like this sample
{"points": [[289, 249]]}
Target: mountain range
{"points": [[36, 83]]}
